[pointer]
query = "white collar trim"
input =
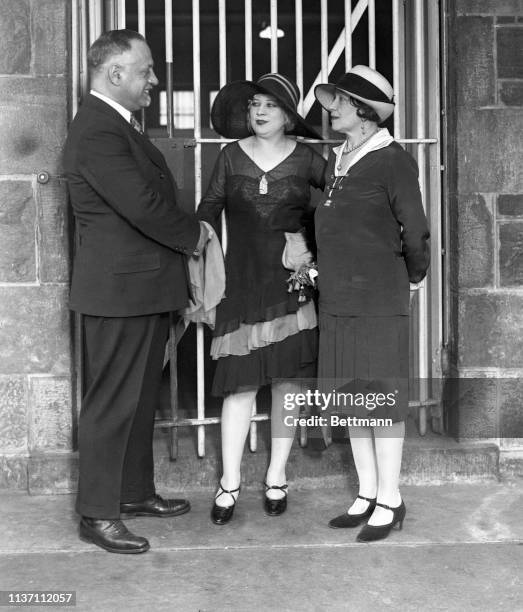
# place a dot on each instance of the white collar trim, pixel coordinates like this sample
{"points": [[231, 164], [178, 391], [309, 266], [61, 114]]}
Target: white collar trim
{"points": [[379, 140], [126, 114]]}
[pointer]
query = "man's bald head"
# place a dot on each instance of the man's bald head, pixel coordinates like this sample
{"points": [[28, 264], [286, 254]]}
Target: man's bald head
{"points": [[121, 68], [110, 44]]}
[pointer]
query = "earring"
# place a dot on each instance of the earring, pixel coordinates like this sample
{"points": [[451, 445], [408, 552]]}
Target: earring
{"points": [[363, 127]]}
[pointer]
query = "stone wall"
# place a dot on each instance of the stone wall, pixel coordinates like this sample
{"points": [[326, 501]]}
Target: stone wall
{"points": [[36, 411], [486, 208]]}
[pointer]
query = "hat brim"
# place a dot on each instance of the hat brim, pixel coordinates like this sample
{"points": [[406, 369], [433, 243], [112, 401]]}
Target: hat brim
{"points": [[325, 95], [230, 107]]}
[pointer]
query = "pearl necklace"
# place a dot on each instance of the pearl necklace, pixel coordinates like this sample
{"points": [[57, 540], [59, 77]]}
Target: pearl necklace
{"points": [[350, 149], [338, 180]]}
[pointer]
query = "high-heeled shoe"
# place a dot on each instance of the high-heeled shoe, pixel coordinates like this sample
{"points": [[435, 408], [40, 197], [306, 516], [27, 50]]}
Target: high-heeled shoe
{"points": [[353, 520], [220, 515], [370, 533], [275, 507]]}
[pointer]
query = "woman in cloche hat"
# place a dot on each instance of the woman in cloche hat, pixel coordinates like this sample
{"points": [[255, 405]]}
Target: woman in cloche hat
{"points": [[371, 234], [265, 333]]}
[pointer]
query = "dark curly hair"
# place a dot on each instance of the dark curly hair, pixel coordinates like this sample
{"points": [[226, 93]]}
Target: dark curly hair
{"points": [[112, 42], [364, 110]]}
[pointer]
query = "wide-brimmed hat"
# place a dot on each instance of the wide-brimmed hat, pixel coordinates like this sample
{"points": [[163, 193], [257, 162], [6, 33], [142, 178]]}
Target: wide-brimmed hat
{"points": [[362, 83], [229, 110]]}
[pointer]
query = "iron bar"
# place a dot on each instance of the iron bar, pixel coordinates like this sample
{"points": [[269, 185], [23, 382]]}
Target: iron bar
{"points": [[371, 18], [200, 377], [348, 35], [396, 67], [324, 71], [274, 35], [419, 56], [299, 51], [248, 40]]}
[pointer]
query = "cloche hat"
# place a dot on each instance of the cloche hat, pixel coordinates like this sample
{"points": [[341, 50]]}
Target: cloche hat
{"points": [[362, 83], [229, 110]]}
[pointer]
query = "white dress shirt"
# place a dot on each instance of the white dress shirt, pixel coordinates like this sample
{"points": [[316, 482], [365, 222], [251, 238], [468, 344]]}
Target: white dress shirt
{"points": [[126, 114]]}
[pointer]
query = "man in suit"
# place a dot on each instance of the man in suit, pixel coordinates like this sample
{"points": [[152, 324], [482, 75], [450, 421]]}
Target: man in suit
{"points": [[129, 273]]}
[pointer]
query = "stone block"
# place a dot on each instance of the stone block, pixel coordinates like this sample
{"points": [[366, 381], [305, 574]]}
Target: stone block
{"points": [[13, 472], [13, 414], [466, 462], [475, 242], [510, 52], [509, 443], [511, 254], [53, 226], [490, 330], [15, 38], [453, 246], [35, 330], [510, 464], [510, 412], [49, 28], [511, 93], [17, 232], [488, 7], [510, 205], [52, 474], [498, 131], [475, 61], [471, 407], [51, 413], [33, 122]]}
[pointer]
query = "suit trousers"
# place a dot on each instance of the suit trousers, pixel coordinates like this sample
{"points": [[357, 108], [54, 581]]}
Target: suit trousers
{"points": [[123, 369]]}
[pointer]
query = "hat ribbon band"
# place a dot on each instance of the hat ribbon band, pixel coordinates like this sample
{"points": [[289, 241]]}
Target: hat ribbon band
{"points": [[282, 82], [359, 86]]}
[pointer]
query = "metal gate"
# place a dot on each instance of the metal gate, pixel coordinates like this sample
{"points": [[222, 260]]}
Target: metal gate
{"points": [[343, 25]]}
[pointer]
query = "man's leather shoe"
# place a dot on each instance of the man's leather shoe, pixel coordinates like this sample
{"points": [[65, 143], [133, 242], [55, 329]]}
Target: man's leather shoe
{"points": [[111, 535], [155, 506]]}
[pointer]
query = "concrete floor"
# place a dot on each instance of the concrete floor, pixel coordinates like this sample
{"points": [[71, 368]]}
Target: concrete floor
{"points": [[460, 549]]}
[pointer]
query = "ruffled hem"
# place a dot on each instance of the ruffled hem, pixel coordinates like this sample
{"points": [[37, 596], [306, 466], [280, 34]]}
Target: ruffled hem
{"points": [[225, 323], [249, 337], [292, 358]]}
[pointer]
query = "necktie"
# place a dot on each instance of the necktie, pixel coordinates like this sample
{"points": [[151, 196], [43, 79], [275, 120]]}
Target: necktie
{"points": [[136, 125]]}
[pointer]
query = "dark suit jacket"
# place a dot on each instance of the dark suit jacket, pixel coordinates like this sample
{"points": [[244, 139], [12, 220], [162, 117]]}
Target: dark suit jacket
{"points": [[132, 236], [373, 238]]}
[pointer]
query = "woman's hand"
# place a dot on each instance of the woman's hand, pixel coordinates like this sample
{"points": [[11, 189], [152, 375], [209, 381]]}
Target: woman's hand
{"points": [[304, 277]]}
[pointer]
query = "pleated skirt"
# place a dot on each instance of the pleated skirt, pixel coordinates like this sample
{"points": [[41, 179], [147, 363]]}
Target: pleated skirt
{"points": [[367, 360]]}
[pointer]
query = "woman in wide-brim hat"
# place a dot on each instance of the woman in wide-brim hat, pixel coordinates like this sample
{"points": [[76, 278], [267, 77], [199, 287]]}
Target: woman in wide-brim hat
{"points": [[264, 334], [229, 113], [372, 239]]}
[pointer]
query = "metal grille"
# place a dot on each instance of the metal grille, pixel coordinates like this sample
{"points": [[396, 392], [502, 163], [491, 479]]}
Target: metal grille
{"points": [[416, 121]]}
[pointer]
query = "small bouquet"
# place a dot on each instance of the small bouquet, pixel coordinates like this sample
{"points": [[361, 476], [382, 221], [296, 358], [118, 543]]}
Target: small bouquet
{"points": [[297, 257], [303, 280]]}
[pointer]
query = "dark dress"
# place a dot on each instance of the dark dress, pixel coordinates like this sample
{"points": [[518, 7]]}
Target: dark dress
{"points": [[372, 240], [256, 281]]}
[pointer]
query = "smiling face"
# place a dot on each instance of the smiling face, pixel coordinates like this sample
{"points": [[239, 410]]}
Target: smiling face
{"points": [[344, 117], [266, 116], [134, 74]]}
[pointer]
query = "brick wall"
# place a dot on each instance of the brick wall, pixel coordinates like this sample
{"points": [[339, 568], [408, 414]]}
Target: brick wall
{"points": [[36, 413], [486, 207]]}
